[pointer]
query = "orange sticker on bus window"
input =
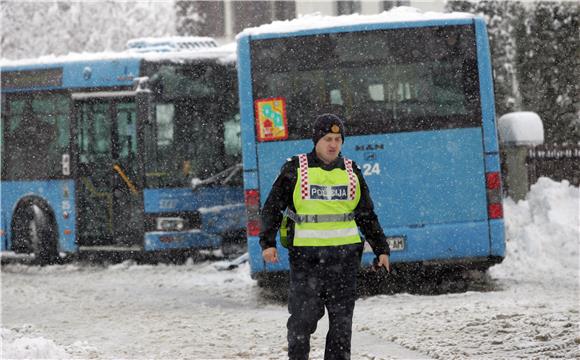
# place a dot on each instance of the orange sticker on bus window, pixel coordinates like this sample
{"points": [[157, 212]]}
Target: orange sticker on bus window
{"points": [[271, 123]]}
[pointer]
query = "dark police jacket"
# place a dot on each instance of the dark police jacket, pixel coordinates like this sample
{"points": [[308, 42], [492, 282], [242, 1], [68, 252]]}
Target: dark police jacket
{"points": [[280, 198]]}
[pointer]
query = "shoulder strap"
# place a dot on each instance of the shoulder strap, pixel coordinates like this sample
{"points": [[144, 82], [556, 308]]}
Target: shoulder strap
{"points": [[351, 179], [304, 186]]}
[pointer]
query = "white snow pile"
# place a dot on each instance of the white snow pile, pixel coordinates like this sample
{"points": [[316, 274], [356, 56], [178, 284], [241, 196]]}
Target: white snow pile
{"points": [[318, 21], [17, 346], [543, 234]]}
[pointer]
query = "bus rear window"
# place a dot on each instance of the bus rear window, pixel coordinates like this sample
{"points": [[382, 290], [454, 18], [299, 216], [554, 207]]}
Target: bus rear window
{"points": [[380, 81]]}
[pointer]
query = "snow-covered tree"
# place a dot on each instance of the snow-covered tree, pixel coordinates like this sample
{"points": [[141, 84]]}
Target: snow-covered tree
{"points": [[535, 61], [31, 29], [548, 64], [500, 17]]}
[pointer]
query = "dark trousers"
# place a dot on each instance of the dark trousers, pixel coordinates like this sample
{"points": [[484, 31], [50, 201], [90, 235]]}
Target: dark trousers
{"points": [[322, 277]]}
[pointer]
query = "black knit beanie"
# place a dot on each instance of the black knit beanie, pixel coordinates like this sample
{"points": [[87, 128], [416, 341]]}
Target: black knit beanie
{"points": [[325, 124]]}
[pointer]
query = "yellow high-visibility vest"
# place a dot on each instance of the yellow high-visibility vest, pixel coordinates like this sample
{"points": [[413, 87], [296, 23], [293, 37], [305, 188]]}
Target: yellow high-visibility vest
{"points": [[325, 203]]}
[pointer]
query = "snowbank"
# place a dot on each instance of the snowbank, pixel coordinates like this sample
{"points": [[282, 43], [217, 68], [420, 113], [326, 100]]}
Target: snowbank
{"points": [[543, 234], [18, 346]]}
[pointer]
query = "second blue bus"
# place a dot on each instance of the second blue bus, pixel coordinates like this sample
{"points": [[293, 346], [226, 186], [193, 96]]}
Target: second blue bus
{"points": [[132, 151]]}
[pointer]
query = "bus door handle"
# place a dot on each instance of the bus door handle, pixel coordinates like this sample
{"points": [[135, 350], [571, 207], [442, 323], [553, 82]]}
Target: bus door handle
{"points": [[126, 179]]}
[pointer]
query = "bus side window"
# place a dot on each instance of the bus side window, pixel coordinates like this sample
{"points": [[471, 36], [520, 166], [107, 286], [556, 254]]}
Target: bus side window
{"points": [[37, 134]]}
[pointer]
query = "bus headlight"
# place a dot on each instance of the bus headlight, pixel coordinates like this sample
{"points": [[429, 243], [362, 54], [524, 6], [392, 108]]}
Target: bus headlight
{"points": [[170, 224]]}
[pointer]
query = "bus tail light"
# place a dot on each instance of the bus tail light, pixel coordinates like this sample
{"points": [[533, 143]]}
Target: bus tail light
{"points": [[252, 199], [494, 205]]}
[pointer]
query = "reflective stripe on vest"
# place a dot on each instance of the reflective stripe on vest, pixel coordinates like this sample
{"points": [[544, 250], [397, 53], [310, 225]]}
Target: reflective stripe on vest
{"points": [[330, 195], [318, 218]]}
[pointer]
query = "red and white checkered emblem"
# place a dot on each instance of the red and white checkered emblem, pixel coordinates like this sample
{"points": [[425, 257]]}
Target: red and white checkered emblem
{"points": [[304, 187], [351, 179]]}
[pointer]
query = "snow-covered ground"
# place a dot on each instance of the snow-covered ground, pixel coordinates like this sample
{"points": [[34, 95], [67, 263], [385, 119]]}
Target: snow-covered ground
{"points": [[194, 311]]}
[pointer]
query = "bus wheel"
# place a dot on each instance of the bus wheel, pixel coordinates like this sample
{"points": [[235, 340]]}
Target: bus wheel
{"points": [[37, 235]]}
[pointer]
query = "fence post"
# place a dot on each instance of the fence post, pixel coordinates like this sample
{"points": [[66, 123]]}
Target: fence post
{"points": [[516, 171]]}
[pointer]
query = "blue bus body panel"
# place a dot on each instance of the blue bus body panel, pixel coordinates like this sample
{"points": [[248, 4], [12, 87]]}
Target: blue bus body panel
{"points": [[497, 237], [185, 199], [58, 194], [428, 187], [113, 73], [492, 163], [168, 240], [426, 177], [246, 105], [490, 142], [247, 112], [257, 265], [430, 243], [221, 210], [85, 73]]}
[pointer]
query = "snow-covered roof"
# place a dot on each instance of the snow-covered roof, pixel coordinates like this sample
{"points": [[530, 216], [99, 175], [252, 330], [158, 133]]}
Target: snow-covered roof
{"points": [[171, 43], [318, 21], [521, 128], [225, 54]]}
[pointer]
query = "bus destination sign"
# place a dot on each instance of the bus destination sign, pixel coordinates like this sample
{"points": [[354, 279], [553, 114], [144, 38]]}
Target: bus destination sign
{"points": [[27, 79]]}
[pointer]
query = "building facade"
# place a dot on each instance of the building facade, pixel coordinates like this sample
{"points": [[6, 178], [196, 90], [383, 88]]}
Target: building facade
{"points": [[223, 19]]}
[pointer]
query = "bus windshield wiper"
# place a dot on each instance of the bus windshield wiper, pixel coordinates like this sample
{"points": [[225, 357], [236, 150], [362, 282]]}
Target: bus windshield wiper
{"points": [[221, 178]]}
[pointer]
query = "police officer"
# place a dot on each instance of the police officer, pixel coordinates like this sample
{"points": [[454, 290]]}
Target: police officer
{"points": [[325, 201]]}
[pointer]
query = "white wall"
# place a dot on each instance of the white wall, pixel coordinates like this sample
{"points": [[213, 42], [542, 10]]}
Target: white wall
{"points": [[308, 7], [429, 5], [368, 7], [328, 7]]}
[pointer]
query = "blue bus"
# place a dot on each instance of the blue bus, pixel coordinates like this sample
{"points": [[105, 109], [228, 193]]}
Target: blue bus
{"points": [[417, 99], [131, 151]]}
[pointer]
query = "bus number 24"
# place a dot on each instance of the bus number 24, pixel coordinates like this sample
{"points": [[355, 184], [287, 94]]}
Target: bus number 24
{"points": [[371, 169]]}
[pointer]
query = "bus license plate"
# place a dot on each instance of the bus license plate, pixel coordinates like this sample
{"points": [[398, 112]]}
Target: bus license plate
{"points": [[396, 243]]}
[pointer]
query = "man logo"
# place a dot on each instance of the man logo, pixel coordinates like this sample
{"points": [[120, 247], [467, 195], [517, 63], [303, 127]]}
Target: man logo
{"points": [[335, 129]]}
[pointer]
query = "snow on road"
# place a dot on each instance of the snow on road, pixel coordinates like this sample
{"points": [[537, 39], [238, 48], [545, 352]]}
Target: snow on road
{"points": [[194, 311]]}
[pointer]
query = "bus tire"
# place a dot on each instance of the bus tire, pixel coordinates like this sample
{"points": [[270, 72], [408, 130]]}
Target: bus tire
{"points": [[35, 233]]}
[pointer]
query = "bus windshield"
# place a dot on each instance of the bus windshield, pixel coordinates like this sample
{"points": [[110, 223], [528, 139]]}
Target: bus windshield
{"points": [[413, 79], [195, 132]]}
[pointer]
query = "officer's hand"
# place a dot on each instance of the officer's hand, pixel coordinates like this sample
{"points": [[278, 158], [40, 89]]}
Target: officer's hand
{"points": [[270, 255], [384, 262]]}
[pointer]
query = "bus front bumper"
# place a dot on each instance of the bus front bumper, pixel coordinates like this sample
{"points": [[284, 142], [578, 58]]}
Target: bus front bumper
{"points": [[193, 239]]}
